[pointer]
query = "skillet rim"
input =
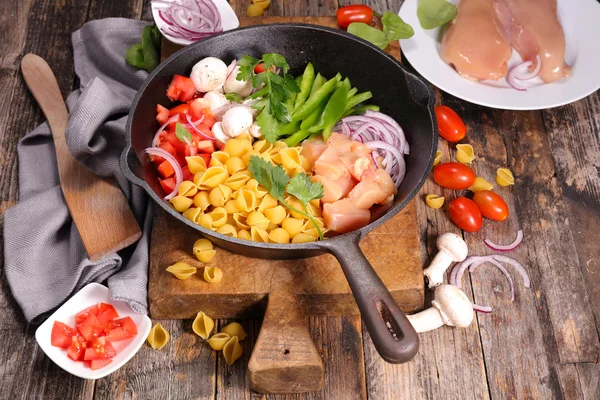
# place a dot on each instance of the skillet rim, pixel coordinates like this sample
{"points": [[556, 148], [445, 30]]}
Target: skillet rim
{"points": [[318, 246]]}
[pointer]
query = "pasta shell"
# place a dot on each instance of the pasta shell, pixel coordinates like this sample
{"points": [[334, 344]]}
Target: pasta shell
{"points": [[213, 274], [279, 235], [312, 232], [212, 177], [238, 180], [202, 244], [438, 158], [235, 329], [314, 210], [303, 238], [240, 220], [504, 177], [480, 184], [465, 153], [262, 146], [293, 226], [218, 158], [290, 158], [276, 215], [305, 163], [258, 190], [187, 189], [244, 234], [231, 206], [228, 230], [181, 203], [158, 337], [181, 270], [267, 202], [196, 164], [192, 214], [234, 164], [203, 250], [219, 195], [237, 147], [280, 144], [294, 202], [434, 201], [218, 216], [232, 350], [203, 325], [246, 157], [201, 200], [205, 221], [246, 200], [218, 341], [259, 235], [257, 219]]}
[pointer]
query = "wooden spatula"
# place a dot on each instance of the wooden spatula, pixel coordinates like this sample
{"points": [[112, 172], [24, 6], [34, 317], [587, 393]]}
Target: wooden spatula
{"points": [[101, 213]]}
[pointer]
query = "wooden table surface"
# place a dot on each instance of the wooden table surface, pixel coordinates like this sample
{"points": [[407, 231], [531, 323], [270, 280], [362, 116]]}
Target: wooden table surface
{"points": [[545, 344]]}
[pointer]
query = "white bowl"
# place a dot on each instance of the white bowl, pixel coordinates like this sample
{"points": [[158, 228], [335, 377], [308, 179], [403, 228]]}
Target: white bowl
{"points": [[93, 293], [229, 20]]}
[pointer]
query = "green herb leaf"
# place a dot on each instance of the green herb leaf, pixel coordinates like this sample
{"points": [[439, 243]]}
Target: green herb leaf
{"points": [[269, 126], [156, 37], [234, 97], [181, 132], [246, 64], [271, 177], [304, 189], [434, 13], [277, 60], [151, 53], [395, 28], [369, 34], [135, 56]]}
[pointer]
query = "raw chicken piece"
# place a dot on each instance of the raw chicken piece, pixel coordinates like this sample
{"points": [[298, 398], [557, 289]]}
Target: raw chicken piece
{"points": [[375, 188], [532, 27], [334, 189], [356, 164], [343, 216], [329, 164], [312, 149], [474, 44], [341, 143]]}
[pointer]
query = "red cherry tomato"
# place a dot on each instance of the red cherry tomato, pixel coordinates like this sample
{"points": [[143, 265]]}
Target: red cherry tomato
{"points": [[453, 175], [492, 206], [355, 13], [450, 125], [259, 68], [465, 214]]}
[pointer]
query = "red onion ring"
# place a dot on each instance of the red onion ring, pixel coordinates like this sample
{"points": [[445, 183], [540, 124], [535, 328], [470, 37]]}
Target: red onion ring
{"points": [[189, 19], [518, 266], [509, 247], [232, 66], [195, 123], [174, 118], [198, 131], [190, 146], [515, 73], [157, 151]]}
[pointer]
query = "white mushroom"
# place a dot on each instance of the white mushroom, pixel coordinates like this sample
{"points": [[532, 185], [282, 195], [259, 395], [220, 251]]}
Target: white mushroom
{"points": [[255, 130], [217, 131], [232, 85], [237, 120], [216, 99], [209, 74], [451, 307], [451, 249]]}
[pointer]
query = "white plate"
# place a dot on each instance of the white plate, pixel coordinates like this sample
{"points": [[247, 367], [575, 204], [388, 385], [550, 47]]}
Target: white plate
{"points": [[581, 24], [229, 20], [93, 293]]}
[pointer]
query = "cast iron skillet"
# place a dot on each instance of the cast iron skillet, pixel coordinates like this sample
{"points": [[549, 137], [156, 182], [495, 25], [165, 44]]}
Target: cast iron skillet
{"points": [[400, 94]]}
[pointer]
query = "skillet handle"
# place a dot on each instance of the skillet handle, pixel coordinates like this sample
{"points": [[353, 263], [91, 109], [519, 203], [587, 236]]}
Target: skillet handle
{"points": [[393, 335]]}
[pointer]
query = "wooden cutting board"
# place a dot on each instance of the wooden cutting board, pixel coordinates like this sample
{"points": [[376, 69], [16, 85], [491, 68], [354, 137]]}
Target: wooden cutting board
{"points": [[321, 288]]}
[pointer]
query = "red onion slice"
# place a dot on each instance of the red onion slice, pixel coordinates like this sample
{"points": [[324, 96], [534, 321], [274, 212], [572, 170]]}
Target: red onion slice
{"points": [[194, 124], [189, 19], [190, 146], [516, 74], [174, 118], [231, 68], [157, 151], [509, 247], [198, 131], [518, 266], [482, 309]]}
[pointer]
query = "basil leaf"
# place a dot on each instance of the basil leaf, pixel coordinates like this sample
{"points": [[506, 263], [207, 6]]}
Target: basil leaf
{"points": [[181, 133], [135, 56], [236, 98], [395, 28], [368, 33], [434, 13], [151, 56]]}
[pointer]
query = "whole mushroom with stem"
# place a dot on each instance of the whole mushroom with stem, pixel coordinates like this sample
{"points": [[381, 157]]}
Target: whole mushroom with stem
{"points": [[451, 249], [451, 307]]}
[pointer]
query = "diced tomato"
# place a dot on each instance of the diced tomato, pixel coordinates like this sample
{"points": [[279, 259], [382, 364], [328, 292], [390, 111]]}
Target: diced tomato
{"points": [[90, 328], [106, 306], [168, 184], [197, 107], [82, 316], [177, 144], [105, 317], [162, 114], [184, 88], [77, 348], [205, 131], [187, 175], [61, 335], [209, 120], [127, 324], [99, 349], [117, 334], [206, 146], [165, 169], [181, 109], [167, 146], [206, 157], [97, 364]]}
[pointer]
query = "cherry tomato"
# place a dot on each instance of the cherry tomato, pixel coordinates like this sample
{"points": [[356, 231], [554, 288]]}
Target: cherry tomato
{"points": [[450, 126], [465, 214], [492, 206], [355, 13], [453, 175], [261, 68]]}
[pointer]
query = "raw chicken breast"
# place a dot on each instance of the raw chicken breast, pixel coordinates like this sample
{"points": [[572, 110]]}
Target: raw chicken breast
{"points": [[341, 143], [532, 27], [334, 189], [474, 44], [329, 165], [343, 216], [356, 164], [375, 188], [312, 149]]}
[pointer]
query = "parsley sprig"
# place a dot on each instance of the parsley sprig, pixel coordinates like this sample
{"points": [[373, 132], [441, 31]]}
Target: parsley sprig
{"points": [[275, 179]]}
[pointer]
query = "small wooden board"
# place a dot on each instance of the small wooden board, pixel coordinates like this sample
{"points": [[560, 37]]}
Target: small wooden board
{"points": [[321, 288]]}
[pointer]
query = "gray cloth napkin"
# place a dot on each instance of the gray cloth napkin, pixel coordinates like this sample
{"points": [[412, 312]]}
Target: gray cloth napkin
{"points": [[45, 261]]}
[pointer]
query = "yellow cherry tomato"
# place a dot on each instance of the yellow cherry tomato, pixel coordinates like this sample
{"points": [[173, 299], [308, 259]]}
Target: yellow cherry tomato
{"points": [[465, 153], [480, 184], [504, 177], [434, 201]]}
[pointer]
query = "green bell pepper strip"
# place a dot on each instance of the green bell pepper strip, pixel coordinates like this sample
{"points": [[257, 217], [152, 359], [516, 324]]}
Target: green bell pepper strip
{"points": [[347, 84], [314, 117], [334, 110], [296, 138], [305, 86], [319, 81], [358, 110], [357, 99], [352, 92], [289, 128], [313, 102]]}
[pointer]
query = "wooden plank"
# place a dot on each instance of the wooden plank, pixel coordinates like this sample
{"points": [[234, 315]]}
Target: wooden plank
{"points": [[184, 368], [339, 342]]}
